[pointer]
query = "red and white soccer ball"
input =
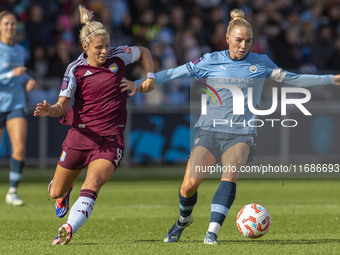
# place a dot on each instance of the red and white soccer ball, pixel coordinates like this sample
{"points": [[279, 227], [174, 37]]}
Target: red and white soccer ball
{"points": [[253, 221]]}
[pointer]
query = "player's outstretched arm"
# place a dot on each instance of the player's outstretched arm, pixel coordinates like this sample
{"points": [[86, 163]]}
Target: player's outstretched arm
{"points": [[56, 110], [167, 75]]}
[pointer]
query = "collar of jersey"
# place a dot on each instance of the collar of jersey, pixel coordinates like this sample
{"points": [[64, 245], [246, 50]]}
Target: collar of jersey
{"points": [[228, 56]]}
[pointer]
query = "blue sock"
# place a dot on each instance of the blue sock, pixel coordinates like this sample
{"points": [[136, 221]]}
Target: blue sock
{"points": [[15, 172], [186, 205], [220, 205]]}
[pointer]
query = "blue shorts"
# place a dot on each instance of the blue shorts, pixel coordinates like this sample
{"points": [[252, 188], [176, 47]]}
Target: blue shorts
{"points": [[17, 113], [218, 142]]}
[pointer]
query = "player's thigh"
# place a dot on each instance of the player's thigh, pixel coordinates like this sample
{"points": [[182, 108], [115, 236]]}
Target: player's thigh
{"points": [[99, 172], [195, 172], [233, 158], [62, 181]]}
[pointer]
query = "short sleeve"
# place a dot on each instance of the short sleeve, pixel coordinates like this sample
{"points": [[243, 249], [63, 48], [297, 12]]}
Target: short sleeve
{"points": [[126, 53], [69, 83]]}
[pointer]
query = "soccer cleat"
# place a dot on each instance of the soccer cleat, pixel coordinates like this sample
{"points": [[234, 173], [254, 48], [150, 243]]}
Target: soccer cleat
{"points": [[211, 238], [176, 231], [13, 199], [62, 204], [64, 235]]}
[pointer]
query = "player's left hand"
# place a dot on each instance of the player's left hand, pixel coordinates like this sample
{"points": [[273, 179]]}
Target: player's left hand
{"points": [[30, 85], [146, 86], [128, 86]]}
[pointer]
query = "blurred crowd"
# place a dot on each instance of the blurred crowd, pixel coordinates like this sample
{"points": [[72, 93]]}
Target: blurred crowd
{"points": [[302, 36]]}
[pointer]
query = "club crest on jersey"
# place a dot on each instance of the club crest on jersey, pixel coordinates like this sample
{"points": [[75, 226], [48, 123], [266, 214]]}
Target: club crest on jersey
{"points": [[127, 50], [65, 82], [253, 68], [113, 67], [197, 60]]}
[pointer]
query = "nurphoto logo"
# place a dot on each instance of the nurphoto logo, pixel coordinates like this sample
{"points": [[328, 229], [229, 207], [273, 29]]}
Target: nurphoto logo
{"points": [[242, 104]]}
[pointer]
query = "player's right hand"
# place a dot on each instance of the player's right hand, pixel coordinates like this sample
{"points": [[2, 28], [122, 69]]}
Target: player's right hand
{"points": [[42, 109], [18, 71], [146, 86]]}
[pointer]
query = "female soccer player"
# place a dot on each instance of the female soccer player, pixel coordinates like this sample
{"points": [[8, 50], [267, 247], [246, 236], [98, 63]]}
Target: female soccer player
{"points": [[13, 100], [233, 145], [97, 117]]}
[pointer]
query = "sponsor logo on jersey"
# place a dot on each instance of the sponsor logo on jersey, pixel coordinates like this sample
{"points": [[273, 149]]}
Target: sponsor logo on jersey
{"points": [[127, 49], [65, 82], [87, 73], [197, 60], [253, 68], [113, 67]]}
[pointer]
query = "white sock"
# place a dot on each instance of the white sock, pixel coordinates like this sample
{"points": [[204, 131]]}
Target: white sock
{"points": [[12, 190], [184, 219], [80, 212], [214, 227]]}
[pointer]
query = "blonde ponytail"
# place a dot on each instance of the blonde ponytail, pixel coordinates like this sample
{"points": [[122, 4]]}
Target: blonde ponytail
{"points": [[89, 27], [85, 15], [237, 20]]}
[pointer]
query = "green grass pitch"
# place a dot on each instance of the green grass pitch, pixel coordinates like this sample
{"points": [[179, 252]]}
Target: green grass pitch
{"points": [[136, 208]]}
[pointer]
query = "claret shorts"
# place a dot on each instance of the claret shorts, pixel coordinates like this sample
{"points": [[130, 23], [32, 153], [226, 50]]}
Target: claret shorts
{"points": [[79, 150]]}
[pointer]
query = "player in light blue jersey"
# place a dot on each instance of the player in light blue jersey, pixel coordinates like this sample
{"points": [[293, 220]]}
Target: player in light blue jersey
{"points": [[13, 82], [233, 145]]}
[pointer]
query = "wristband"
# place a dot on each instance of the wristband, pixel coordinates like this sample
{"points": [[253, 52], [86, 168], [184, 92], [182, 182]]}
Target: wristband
{"points": [[150, 76], [10, 74]]}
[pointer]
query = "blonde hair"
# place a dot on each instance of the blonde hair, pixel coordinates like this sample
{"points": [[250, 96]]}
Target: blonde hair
{"points": [[238, 20], [89, 27]]}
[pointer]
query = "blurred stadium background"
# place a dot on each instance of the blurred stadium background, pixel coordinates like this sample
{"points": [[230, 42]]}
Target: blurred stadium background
{"points": [[301, 36]]}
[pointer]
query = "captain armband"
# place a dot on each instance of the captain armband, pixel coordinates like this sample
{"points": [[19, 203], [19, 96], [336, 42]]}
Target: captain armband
{"points": [[278, 74]]}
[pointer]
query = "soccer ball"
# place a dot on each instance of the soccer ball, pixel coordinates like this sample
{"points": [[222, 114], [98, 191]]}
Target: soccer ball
{"points": [[253, 221]]}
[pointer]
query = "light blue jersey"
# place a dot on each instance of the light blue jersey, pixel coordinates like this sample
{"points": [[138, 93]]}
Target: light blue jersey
{"points": [[218, 68], [12, 89]]}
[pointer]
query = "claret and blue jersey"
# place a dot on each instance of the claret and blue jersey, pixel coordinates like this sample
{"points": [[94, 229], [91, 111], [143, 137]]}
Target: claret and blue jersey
{"points": [[99, 106], [219, 68]]}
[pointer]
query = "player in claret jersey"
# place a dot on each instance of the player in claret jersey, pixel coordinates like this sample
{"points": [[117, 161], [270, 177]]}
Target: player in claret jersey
{"points": [[97, 117]]}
